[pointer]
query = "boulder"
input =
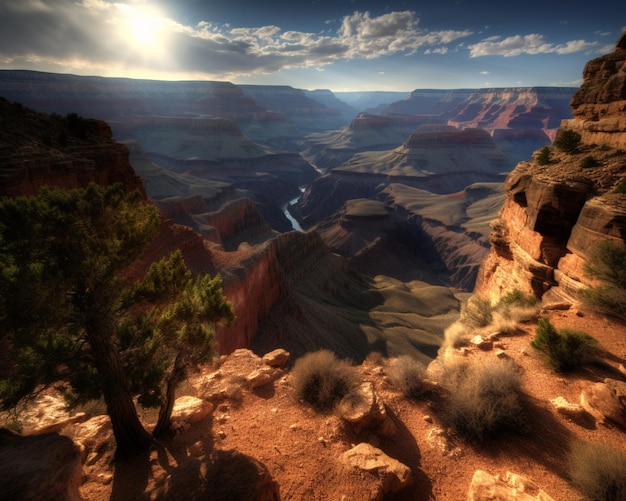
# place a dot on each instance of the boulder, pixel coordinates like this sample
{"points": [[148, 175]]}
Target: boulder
{"points": [[241, 368], [276, 358], [573, 411], [364, 410], [394, 475], [512, 487], [606, 401], [439, 439], [39, 467], [189, 410], [49, 413], [94, 437]]}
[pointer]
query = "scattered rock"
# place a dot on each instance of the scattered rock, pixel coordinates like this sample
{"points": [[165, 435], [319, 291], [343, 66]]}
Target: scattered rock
{"points": [[94, 436], [363, 409], [395, 475], [606, 401], [573, 411], [439, 439], [262, 376], [277, 358], [557, 306], [241, 368], [189, 410], [481, 343], [49, 414], [40, 467], [485, 487], [501, 353]]}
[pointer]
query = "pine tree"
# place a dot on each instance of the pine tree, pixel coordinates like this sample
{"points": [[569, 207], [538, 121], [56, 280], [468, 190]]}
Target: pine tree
{"points": [[69, 314]]}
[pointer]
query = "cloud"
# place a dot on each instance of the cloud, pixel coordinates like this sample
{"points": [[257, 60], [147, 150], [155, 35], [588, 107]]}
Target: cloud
{"points": [[63, 35], [532, 44]]}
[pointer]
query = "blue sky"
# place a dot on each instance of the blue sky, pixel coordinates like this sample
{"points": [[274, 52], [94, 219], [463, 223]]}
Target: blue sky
{"points": [[342, 45]]}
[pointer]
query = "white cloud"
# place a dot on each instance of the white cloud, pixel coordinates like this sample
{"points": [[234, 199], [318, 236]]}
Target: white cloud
{"points": [[518, 45], [98, 34]]}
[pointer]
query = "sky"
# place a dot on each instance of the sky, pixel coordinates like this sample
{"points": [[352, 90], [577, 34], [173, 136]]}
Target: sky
{"points": [[341, 45]]}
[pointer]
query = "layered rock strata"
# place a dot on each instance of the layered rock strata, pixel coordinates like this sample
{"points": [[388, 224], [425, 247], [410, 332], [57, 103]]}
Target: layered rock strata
{"points": [[555, 213]]}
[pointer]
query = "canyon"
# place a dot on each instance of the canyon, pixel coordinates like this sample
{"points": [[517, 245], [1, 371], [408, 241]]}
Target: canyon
{"points": [[223, 161], [395, 236]]}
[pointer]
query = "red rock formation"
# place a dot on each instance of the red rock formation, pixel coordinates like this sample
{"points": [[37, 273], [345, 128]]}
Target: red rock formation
{"points": [[38, 150], [555, 214], [600, 103]]}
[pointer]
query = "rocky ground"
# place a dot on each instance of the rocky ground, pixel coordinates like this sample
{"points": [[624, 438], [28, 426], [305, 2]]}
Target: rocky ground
{"points": [[303, 450]]}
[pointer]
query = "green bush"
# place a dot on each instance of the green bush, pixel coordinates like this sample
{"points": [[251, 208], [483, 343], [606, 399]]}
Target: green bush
{"points": [[607, 262], [484, 398], [408, 375], [518, 298], [567, 140], [589, 161], [565, 349], [621, 187], [321, 380], [476, 312], [598, 471], [543, 157]]}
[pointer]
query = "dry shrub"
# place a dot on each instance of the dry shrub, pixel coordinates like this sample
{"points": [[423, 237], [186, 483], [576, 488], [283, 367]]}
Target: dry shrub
{"points": [[476, 312], [598, 471], [321, 379], [457, 335], [484, 397], [408, 375]]}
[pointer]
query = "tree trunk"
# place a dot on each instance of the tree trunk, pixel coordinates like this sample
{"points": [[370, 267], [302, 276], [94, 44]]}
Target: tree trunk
{"points": [[164, 422], [130, 435]]}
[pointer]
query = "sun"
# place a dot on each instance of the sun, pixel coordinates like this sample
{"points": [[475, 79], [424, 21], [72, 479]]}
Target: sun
{"points": [[145, 28]]}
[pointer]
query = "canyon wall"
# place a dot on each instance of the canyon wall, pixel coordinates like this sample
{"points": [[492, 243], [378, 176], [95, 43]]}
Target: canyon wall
{"points": [[37, 150], [555, 212]]}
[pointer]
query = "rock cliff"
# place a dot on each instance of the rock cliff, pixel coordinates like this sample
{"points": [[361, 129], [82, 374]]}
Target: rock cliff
{"points": [[555, 212], [70, 152]]}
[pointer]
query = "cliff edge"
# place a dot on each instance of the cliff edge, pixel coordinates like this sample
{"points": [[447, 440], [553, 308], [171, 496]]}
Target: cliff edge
{"points": [[558, 208]]}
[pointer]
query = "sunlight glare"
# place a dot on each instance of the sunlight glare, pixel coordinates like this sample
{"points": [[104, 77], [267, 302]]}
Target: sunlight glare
{"points": [[145, 28]]}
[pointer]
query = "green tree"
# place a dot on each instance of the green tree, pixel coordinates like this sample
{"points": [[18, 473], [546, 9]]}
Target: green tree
{"points": [[543, 157], [567, 140], [179, 326], [71, 315]]}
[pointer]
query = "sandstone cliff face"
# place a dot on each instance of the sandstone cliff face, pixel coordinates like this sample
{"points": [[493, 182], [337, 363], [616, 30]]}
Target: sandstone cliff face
{"points": [[555, 214], [38, 150]]}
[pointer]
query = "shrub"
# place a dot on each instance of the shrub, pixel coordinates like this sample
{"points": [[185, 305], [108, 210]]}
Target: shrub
{"points": [[456, 335], [607, 262], [565, 349], [321, 380], [518, 298], [567, 140], [598, 471], [589, 161], [484, 398], [476, 312], [408, 375], [543, 157], [621, 187]]}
